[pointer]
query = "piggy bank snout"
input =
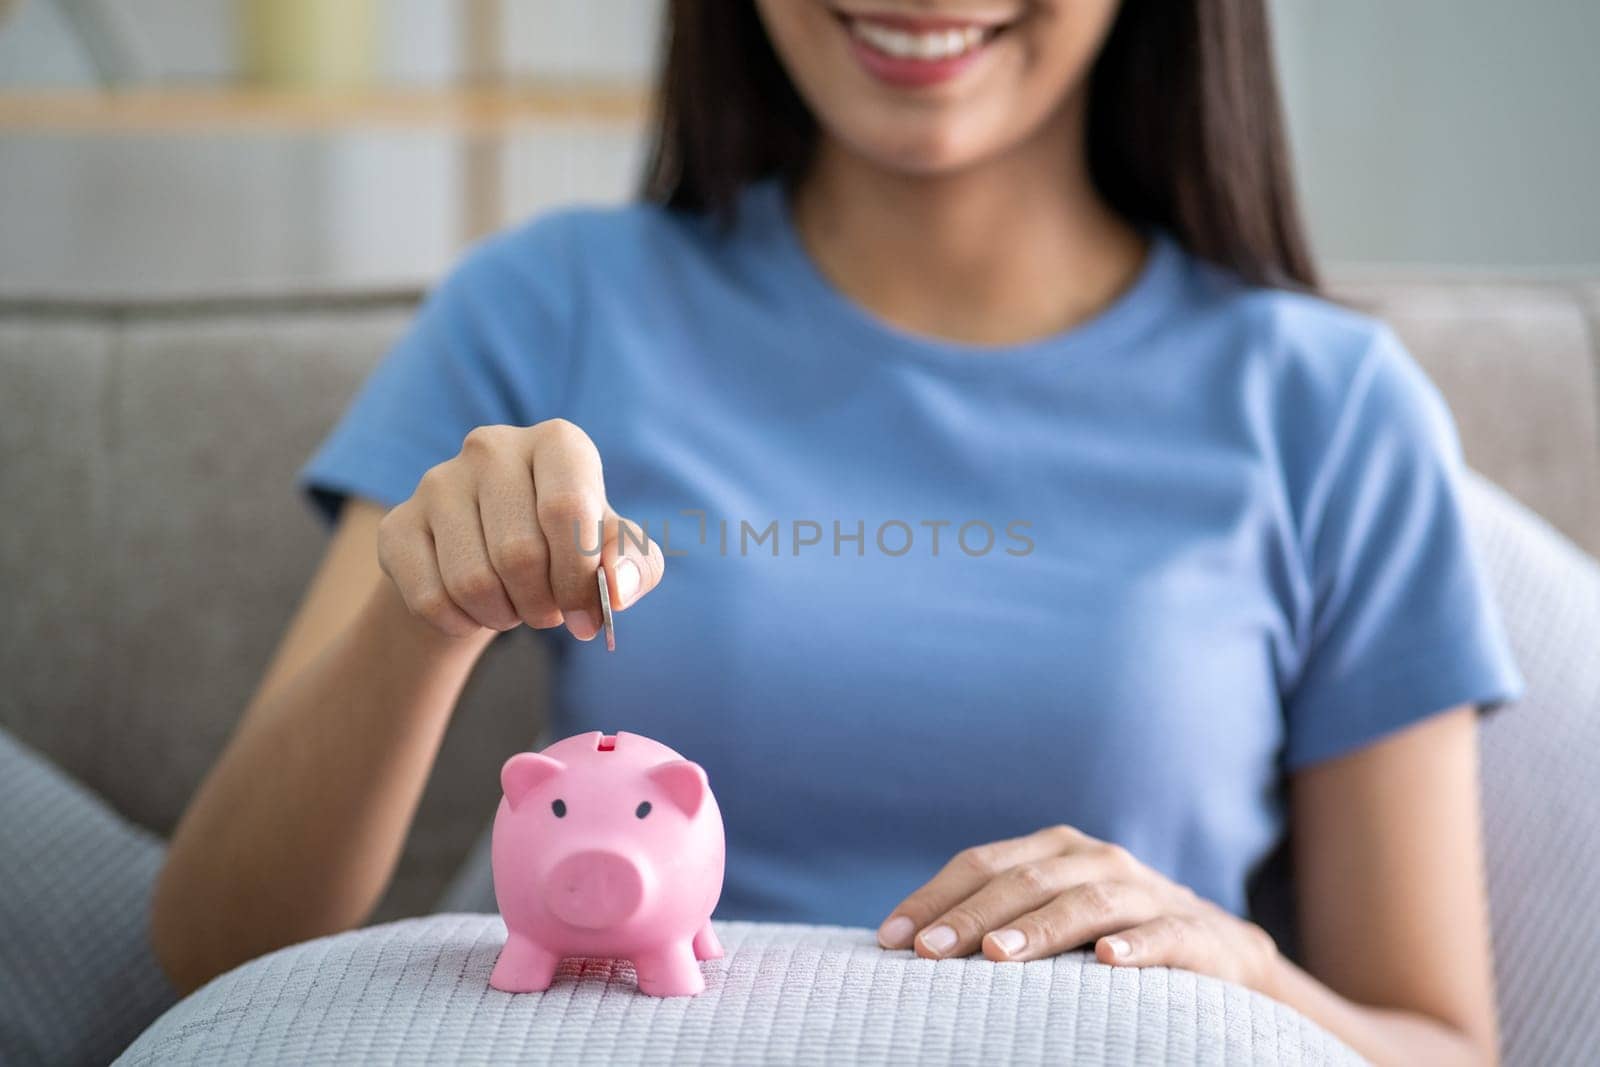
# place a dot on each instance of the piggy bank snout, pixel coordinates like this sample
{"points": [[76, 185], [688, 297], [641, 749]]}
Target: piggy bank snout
{"points": [[595, 889]]}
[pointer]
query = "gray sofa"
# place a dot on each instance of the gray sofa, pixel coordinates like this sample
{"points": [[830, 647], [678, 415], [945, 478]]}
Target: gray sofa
{"points": [[153, 548]]}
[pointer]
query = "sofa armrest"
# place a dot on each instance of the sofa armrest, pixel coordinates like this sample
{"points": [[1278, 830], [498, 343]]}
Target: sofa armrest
{"points": [[78, 980]]}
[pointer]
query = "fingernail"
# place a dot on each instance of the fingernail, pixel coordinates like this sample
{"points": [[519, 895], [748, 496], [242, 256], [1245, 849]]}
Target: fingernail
{"points": [[939, 939], [627, 580], [896, 932], [1011, 942], [582, 624], [1119, 948]]}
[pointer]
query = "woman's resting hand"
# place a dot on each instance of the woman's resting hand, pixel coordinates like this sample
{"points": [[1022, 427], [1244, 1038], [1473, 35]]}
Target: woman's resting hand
{"points": [[505, 533], [1059, 889]]}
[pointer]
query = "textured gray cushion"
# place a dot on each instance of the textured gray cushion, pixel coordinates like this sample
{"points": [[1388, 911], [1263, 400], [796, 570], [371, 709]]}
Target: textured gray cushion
{"points": [[417, 992], [1541, 777], [77, 979]]}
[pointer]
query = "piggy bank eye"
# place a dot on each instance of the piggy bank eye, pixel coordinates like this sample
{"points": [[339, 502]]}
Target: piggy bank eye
{"points": [[559, 807], [643, 809]]}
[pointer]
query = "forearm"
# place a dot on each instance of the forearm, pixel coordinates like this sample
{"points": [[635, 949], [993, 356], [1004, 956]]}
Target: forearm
{"points": [[297, 830], [1380, 1035], [1388, 863]]}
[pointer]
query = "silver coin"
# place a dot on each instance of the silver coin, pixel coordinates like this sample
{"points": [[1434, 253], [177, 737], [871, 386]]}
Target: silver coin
{"points": [[606, 621]]}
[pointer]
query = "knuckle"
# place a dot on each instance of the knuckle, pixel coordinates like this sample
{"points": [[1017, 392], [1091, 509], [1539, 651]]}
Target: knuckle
{"points": [[554, 432], [1259, 939], [1064, 837], [432, 604], [1044, 928], [1032, 879], [388, 532], [434, 477], [567, 507], [1117, 857], [520, 558], [394, 519], [1097, 900], [398, 522], [976, 860], [483, 440], [391, 568], [560, 434], [476, 584]]}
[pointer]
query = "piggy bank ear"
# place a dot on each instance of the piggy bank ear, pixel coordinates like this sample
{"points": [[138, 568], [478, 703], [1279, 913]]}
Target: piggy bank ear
{"points": [[684, 782], [525, 772]]}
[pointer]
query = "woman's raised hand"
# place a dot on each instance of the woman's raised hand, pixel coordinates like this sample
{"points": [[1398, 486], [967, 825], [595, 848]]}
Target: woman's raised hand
{"points": [[505, 533], [1060, 889]]}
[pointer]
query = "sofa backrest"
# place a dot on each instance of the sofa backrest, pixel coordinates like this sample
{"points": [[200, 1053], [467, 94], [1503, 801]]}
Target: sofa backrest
{"points": [[153, 548], [1520, 366]]}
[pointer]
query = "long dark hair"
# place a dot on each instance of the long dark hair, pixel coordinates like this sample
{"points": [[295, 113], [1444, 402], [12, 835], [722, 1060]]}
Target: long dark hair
{"points": [[1185, 131]]}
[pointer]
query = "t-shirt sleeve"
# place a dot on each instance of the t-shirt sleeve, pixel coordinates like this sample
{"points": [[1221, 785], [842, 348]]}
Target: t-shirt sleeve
{"points": [[489, 346], [1402, 623]]}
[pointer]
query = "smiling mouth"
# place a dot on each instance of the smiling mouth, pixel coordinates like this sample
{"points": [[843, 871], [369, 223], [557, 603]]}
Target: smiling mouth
{"points": [[907, 39]]}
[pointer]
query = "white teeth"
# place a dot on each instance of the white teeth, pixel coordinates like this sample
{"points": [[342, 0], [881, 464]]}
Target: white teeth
{"points": [[934, 45]]}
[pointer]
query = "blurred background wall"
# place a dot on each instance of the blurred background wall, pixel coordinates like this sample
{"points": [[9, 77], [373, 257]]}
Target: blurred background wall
{"points": [[1428, 133], [1455, 133]]}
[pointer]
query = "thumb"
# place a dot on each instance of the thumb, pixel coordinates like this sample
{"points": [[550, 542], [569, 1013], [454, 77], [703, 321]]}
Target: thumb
{"points": [[634, 563]]}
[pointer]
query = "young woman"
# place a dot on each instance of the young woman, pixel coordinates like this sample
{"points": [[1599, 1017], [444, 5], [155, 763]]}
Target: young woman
{"points": [[1022, 506]]}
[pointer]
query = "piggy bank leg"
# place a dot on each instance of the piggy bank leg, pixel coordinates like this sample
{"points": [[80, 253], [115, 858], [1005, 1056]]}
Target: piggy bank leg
{"points": [[523, 967], [670, 972], [706, 945]]}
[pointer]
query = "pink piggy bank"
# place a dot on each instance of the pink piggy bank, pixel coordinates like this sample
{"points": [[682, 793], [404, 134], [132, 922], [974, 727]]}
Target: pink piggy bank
{"points": [[611, 847]]}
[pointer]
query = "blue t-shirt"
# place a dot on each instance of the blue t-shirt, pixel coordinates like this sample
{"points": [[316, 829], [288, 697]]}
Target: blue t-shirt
{"points": [[1122, 578]]}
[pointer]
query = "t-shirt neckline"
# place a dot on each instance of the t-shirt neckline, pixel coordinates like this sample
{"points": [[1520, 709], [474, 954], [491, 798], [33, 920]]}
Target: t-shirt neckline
{"points": [[1129, 314]]}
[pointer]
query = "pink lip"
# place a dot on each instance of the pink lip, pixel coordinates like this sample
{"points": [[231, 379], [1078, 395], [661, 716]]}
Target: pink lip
{"points": [[919, 23], [913, 73]]}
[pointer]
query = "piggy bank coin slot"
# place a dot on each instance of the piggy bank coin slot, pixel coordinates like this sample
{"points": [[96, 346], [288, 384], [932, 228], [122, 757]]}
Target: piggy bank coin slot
{"points": [[608, 743]]}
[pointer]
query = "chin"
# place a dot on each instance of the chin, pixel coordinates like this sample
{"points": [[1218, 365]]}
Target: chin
{"points": [[922, 146]]}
